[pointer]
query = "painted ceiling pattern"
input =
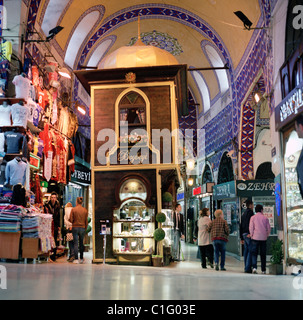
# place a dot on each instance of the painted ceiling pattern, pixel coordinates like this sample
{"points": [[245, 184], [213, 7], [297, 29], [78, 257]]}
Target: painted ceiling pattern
{"points": [[160, 40], [183, 28]]}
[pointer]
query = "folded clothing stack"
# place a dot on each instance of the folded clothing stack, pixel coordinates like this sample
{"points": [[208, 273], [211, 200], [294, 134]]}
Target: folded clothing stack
{"points": [[10, 218], [30, 225]]}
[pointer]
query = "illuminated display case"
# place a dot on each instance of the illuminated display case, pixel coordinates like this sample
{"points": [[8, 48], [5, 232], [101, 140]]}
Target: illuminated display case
{"points": [[294, 201], [133, 222]]}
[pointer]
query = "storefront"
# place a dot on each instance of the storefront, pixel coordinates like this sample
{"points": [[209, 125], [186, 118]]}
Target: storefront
{"points": [[260, 192], [225, 198], [129, 171], [291, 146], [231, 197]]}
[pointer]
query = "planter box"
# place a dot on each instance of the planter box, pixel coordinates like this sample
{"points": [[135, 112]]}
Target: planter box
{"points": [[157, 261], [30, 248], [276, 269], [9, 245]]}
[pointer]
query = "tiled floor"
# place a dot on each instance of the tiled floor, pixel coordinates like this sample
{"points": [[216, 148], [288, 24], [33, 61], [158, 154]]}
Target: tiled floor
{"points": [[184, 280]]}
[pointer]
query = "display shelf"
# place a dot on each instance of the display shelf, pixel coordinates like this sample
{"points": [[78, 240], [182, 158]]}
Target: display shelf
{"points": [[133, 228]]}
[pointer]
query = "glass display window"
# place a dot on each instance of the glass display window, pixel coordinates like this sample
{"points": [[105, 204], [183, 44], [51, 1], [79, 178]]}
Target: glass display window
{"points": [[133, 228], [168, 227], [132, 117], [294, 201]]}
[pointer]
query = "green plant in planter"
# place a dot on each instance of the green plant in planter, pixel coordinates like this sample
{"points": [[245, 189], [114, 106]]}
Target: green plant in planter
{"points": [[277, 252], [276, 259], [167, 197], [159, 233], [161, 217]]}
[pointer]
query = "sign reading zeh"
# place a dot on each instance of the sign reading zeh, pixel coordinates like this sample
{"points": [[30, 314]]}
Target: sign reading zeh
{"points": [[255, 188]]}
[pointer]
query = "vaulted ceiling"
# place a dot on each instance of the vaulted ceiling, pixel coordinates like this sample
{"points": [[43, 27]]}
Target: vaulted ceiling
{"points": [[199, 33]]}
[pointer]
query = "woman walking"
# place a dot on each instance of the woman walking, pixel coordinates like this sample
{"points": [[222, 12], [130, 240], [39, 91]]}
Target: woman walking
{"points": [[219, 235], [205, 246]]}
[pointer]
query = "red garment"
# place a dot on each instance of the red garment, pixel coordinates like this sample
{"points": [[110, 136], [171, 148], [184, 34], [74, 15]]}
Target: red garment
{"points": [[42, 98], [45, 135]]}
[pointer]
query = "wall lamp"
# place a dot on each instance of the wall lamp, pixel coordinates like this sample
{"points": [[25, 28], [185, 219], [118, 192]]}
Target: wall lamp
{"points": [[190, 182], [247, 23], [81, 109], [52, 33]]}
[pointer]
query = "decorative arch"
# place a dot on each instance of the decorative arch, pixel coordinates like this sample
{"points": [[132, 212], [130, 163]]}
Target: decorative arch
{"points": [[81, 32], [207, 174], [247, 129], [226, 171], [147, 107], [100, 50], [203, 89], [213, 56], [165, 12]]}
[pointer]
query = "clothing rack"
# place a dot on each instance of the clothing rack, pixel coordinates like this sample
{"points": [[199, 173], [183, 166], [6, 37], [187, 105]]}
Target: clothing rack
{"points": [[52, 127]]}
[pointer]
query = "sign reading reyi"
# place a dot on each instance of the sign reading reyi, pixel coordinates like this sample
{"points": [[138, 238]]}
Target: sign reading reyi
{"points": [[81, 175], [290, 107], [255, 188]]}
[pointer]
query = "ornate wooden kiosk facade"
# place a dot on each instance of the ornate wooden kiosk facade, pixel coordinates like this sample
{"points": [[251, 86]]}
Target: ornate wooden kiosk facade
{"points": [[133, 114]]}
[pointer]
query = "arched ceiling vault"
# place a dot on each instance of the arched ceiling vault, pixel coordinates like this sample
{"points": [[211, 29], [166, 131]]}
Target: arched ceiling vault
{"points": [[190, 29]]}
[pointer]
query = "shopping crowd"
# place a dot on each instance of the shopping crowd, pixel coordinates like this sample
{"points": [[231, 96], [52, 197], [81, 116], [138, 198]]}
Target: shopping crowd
{"points": [[213, 236]]}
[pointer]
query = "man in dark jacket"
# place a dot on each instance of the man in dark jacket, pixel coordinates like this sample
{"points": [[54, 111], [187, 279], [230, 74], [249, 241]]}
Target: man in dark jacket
{"points": [[178, 232], [244, 234], [53, 207]]}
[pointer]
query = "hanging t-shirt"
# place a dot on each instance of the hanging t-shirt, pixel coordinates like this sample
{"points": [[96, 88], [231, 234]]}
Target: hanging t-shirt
{"points": [[15, 172], [22, 87], [31, 106], [36, 115], [42, 98], [2, 142], [20, 115], [5, 118], [35, 75], [13, 141]]}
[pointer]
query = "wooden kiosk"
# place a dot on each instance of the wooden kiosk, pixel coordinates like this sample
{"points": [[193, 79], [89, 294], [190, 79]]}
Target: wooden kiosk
{"points": [[132, 164]]}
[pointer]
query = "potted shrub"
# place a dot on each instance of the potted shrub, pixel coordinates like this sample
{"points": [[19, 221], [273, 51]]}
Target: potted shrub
{"points": [[167, 200], [159, 236], [276, 266]]}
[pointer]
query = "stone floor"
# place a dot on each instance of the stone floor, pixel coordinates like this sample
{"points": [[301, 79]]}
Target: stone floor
{"points": [[184, 280]]}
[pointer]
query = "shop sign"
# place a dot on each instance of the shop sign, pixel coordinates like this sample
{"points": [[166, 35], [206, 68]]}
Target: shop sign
{"points": [[81, 175], [224, 191], [34, 161], [255, 188], [269, 213], [289, 108], [197, 191], [180, 196], [208, 187]]}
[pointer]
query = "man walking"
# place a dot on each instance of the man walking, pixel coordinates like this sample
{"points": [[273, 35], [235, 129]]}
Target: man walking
{"points": [[178, 231], [245, 235], [259, 229]]}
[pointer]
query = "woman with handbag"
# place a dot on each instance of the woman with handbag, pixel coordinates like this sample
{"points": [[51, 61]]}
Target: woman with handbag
{"points": [[69, 234]]}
